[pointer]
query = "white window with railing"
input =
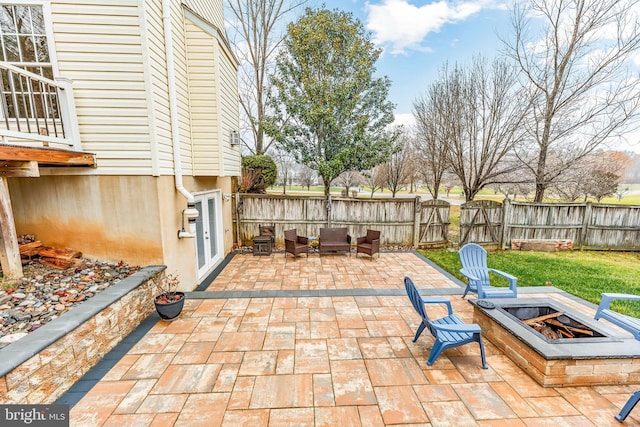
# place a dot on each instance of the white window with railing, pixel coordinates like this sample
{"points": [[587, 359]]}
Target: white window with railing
{"points": [[27, 102], [34, 100]]}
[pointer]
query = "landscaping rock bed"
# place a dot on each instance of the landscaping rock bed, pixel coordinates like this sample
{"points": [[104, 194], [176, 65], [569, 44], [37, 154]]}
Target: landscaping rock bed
{"points": [[44, 293]]}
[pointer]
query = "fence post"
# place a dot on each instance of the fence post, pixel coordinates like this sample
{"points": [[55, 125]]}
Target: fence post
{"points": [[417, 215], [238, 222], [506, 205], [585, 224]]}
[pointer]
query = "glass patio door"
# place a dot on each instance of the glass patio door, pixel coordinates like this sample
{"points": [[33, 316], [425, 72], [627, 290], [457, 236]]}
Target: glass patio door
{"points": [[209, 243]]}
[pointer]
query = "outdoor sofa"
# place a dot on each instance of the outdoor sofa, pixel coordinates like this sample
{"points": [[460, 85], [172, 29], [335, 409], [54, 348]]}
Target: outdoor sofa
{"points": [[334, 240]]}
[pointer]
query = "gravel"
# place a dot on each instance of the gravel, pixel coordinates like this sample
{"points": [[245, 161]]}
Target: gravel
{"points": [[44, 293]]}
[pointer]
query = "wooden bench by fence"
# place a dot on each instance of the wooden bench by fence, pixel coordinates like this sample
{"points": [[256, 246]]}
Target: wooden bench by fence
{"points": [[542, 245]]}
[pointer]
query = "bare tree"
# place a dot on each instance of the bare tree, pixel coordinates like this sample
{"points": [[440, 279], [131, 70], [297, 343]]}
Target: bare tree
{"points": [[375, 178], [573, 183], [596, 175], [432, 136], [259, 30], [306, 177], [621, 191], [482, 122], [285, 168], [414, 175], [348, 179], [397, 168], [633, 173], [578, 79], [517, 183]]}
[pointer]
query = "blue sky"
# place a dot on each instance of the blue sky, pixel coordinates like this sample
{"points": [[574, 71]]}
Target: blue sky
{"points": [[419, 36]]}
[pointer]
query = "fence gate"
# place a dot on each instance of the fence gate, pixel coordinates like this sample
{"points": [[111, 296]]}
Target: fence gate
{"points": [[434, 223], [480, 222]]}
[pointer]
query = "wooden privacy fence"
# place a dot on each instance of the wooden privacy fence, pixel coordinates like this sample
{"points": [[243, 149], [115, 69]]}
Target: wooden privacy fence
{"points": [[402, 221], [407, 221], [434, 224], [588, 225], [480, 222]]}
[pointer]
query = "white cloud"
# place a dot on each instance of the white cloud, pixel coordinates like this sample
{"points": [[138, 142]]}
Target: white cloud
{"points": [[403, 26], [405, 119]]}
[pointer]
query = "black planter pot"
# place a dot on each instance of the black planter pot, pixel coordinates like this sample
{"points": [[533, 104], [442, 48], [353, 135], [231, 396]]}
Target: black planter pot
{"points": [[172, 310]]}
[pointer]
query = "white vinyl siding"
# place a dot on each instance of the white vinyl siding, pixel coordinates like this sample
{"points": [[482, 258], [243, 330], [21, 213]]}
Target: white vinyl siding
{"points": [[214, 99], [210, 10], [98, 46], [230, 115], [157, 70], [114, 51], [203, 90]]}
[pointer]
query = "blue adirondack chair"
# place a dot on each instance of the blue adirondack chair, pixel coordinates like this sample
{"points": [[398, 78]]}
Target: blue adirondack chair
{"points": [[631, 324], [631, 403], [474, 267], [449, 331]]}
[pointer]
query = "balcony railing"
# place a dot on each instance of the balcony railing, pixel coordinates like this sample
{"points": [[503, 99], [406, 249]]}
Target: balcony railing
{"points": [[36, 111]]}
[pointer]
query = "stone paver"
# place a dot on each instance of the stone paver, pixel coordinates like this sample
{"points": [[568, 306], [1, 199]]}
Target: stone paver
{"points": [[327, 360]]}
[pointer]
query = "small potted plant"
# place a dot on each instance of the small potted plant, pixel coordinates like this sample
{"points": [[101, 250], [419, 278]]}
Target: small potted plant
{"points": [[169, 302]]}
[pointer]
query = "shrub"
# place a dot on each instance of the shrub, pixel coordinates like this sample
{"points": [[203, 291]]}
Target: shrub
{"points": [[258, 173]]}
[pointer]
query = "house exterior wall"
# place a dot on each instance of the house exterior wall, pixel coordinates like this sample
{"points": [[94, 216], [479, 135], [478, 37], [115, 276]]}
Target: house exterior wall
{"points": [[131, 218], [115, 53], [229, 113], [128, 208], [203, 8], [205, 126], [99, 46]]}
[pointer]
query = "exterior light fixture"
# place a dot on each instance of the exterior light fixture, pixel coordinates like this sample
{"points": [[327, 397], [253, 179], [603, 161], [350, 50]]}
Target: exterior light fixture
{"points": [[234, 138]]}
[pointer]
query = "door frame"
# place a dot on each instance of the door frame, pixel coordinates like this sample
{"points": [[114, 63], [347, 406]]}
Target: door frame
{"points": [[212, 261]]}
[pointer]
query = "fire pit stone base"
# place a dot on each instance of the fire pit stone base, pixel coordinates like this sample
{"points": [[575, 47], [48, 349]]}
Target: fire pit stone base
{"points": [[610, 359]]}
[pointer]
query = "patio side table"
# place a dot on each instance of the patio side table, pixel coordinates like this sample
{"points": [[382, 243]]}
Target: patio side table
{"points": [[262, 245]]}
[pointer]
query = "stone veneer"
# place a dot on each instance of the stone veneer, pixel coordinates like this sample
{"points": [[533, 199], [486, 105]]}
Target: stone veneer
{"points": [[612, 361], [40, 367]]}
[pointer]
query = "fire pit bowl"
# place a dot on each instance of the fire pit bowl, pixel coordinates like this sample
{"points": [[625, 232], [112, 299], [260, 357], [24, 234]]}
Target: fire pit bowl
{"points": [[603, 355]]}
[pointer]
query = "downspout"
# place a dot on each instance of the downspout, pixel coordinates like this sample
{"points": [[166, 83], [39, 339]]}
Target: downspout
{"points": [[173, 102]]}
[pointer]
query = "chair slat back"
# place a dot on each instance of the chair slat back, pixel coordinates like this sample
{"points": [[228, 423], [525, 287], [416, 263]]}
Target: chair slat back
{"points": [[415, 298], [372, 235], [291, 235], [474, 257]]}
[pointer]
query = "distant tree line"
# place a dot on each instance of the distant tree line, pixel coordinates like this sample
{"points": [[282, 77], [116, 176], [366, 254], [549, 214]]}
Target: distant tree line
{"points": [[536, 119]]}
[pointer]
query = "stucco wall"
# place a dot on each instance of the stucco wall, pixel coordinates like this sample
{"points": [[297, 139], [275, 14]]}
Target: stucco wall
{"points": [[131, 218]]}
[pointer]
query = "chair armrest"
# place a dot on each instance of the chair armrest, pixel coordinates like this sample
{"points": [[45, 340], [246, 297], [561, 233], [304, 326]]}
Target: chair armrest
{"points": [[349, 239], [304, 240], [439, 300], [608, 297], [468, 274], [375, 245], [459, 327], [513, 280], [503, 274]]}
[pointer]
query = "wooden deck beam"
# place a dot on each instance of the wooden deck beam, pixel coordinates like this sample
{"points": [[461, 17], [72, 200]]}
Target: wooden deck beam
{"points": [[9, 251], [46, 156]]}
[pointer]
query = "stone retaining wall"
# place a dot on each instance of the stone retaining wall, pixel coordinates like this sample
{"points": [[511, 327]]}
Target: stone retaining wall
{"points": [[40, 367]]}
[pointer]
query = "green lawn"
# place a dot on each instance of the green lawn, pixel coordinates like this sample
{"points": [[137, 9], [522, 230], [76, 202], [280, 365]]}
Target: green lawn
{"points": [[584, 274]]}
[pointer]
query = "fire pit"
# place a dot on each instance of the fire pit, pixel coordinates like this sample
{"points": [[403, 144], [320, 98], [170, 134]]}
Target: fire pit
{"points": [[552, 324], [573, 349]]}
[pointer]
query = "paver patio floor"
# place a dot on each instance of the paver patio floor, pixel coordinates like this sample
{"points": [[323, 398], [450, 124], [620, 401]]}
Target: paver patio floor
{"points": [[330, 359]]}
